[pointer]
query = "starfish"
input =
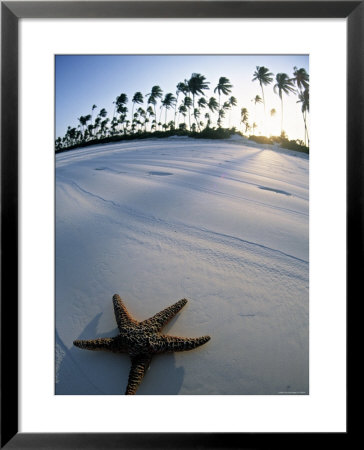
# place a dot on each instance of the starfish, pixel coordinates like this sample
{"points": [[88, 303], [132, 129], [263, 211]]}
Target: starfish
{"points": [[142, 340]]}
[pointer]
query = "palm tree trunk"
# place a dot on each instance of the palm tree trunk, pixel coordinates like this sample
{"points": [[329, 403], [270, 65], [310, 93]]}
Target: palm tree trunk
{"points": [[281, 115], [193, 106], [197, 123], [265, 113], [306, 131], [132, 112], [175, 111], [263, 98], [304, 122], [160, 114]]}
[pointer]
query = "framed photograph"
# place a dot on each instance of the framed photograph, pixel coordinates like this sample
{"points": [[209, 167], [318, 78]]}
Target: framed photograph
{"points": [[178, 158]]}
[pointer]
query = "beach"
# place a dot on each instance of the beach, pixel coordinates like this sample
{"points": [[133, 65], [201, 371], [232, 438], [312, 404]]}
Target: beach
{"points": [[222, 223]]}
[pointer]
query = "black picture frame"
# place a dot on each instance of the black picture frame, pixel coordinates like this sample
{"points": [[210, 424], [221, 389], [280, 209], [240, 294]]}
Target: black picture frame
{"points": [[11, 12]]}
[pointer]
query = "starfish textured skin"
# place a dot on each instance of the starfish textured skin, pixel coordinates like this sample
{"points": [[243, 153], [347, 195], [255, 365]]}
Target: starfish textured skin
{"points": [[142, 340]]}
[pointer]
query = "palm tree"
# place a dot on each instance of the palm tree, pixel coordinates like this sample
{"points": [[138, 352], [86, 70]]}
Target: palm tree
{"points": [[257, 99], [150, 113], [114, 124], [78, 136], [264, 77], [221, 116], [202, 102], [254, 126], [137, 98], [92, 110], [272, 113], [301, 78], [97, 123], [213, 105], [304, 98], [58, 143], [207, 117], [103, 127], [146, 120], [152, 101], [90, 127], [87, 135], [143, 114], [197, 84], [183, 110], [187, 102], [122, 110], [102, 113], [223, 87], [196, 115], [284, 84], [121, 121], [225, 107], [82, 120], [154, 94], [88, 118], [168, 101], [232, 102], [244, 117], [121, 99], [120, 102], [180, 89], [72, 135]]}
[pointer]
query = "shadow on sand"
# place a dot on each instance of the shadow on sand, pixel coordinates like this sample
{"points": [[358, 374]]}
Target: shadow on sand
{"points": [[83, 372]]}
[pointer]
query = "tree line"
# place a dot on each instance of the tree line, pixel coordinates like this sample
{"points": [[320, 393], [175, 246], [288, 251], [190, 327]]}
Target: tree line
{"points": [[192, 110]]}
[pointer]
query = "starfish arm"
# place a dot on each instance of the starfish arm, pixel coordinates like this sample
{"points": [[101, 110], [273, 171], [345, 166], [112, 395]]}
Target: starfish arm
{"points": [[163, 317], [122, 316], [95, 344], [180, 344], [139, 366]]}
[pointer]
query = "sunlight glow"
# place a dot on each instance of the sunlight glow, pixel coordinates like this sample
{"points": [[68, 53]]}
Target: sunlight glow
{"points": [[83, 81]]}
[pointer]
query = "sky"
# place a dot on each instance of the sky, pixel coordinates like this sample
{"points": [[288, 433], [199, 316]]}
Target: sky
{"points": [[84, 80]]}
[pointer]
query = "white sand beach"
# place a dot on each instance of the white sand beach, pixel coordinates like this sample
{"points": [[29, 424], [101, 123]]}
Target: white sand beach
{"points": [[223, 223]]}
